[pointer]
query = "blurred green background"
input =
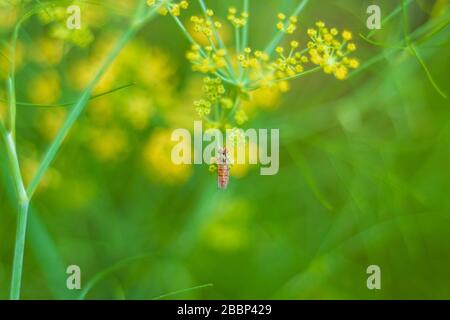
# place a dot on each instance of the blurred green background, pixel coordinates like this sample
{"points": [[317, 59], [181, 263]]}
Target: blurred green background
{"points": [[364, 164]]}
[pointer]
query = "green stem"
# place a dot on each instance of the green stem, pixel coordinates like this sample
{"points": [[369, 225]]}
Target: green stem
{"points": [[182, 291], [301, 74], [416, 53], [245, 31], [186, 33], [238, 46], [245, 39], [67, 104], [280, 34], [202, 52], [219, 41], [12, 106], [256, 86], [24, 201], [237, 103], [26, 195], [12, 68], [76, 111], [19, 251], [13, 163], [390, 16]]}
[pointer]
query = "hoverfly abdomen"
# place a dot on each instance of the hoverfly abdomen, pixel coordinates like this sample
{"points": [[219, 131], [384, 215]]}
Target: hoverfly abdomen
{"points": [[223, 169]]}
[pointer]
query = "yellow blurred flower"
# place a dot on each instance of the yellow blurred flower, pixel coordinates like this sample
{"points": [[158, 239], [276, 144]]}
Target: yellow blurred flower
{"points": [[225, 33], [56, 18], [29, 166], [50, 121], [44, 87], [139, 110], [157, 159], [100, 112], [5, 58], [181, 114], [47, 51], [8, 15], [3, 108], [265, 98], [4, 66], [108, 144], [81, 72]]}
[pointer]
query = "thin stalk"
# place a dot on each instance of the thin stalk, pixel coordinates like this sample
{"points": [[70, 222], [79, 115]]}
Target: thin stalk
{"points": [[219, 41], [225, 79], [202, 52], [11, 83], [11, 106], [391, 15], [245, 30], [245, 39], [182, 291], [427, 71], [84, 98], [67, 104], [24, 201], [236, 105], [13, 163], [237, 39], [187, 34], [418, 36], [301, 74], [256, 86], [26, 195], [19, 250], [280, 34], [416, 53], [12, 68], [379, 44]]}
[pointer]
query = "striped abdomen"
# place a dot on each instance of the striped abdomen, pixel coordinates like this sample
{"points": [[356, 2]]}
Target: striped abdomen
{"points": [[223, 175]]}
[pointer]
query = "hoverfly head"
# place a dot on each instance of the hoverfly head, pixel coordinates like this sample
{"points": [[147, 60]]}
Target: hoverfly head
{"points": [[223, 156]]}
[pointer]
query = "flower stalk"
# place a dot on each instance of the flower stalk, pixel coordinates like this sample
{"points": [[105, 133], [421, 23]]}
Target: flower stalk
{"points": [[8, 133]]}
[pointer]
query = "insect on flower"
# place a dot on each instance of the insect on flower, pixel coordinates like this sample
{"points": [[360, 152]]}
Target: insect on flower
{"points": [[232, 75], [223, 169]]}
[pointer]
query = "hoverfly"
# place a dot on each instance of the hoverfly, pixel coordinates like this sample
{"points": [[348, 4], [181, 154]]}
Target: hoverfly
{"points": [[223, 168]]}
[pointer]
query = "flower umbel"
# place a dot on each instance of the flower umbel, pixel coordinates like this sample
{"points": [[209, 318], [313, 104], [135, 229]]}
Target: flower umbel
{"points": [[233, 74], [169, 6], [285, 25], [331, 52], [239, 71]]}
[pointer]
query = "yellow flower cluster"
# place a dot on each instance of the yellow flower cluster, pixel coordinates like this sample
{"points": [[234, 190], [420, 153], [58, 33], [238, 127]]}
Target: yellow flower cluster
{"points": [[214, 92], [213, 88], [157, 162], [202, 107], [204, 26], [237, 21], [244, 70], [240, 117], [252, 59], [168, 7], [287, 25], [331, 53], [207, 60], [291, 64], [260, 69]]}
